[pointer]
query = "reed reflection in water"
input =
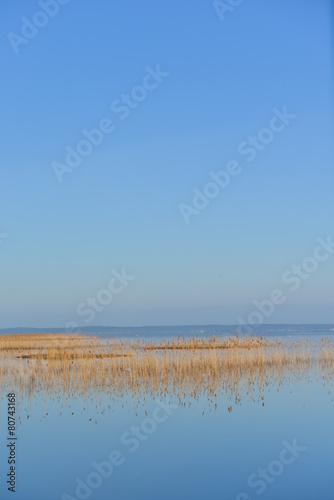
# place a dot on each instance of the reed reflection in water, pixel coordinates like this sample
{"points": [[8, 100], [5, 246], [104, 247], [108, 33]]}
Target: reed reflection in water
{"points": [[75, 368]]}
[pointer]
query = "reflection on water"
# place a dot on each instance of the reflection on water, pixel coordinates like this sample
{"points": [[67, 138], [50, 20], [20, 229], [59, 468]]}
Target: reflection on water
{"points": [[187, 369], [189, 420]]}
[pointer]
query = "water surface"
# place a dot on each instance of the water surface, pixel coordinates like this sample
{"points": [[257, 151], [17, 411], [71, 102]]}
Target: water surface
{"points": [[165, 447]]}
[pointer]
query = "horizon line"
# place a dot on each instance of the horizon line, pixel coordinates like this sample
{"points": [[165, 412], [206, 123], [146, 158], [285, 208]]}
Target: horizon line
{"points": [[167, 326]]}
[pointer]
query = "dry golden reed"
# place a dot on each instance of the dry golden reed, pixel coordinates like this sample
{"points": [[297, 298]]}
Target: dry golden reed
{"points": [[64, 367]]}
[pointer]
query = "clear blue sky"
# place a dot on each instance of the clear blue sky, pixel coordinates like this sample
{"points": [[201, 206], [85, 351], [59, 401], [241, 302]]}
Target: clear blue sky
{"points": [[120, 207]]}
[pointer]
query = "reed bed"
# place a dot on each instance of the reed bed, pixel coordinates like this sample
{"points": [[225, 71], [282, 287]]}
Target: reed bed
{"points": [[68, 367], [213, 342], [38, 342]]}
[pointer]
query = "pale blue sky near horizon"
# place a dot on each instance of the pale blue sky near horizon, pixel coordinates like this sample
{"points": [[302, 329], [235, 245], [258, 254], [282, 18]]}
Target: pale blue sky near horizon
{"points": [[120, 207]]}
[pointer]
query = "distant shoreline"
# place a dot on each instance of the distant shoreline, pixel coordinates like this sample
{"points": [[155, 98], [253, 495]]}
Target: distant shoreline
{"points": [[270, 329]]}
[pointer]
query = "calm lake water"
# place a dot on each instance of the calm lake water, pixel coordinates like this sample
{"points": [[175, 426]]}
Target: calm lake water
{"points": [[275, 449]]}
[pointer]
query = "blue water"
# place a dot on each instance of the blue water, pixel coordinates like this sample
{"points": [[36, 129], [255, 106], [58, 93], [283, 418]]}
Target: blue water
{"points": [[179, 453]]}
